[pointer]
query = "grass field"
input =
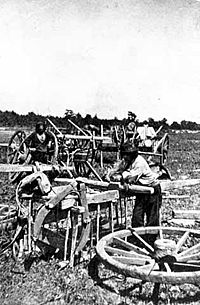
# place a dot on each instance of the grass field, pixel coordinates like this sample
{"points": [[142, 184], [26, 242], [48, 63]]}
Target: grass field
{"points": [[46, 284]]}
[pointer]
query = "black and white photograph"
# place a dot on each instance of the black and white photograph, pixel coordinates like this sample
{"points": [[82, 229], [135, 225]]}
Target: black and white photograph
{"points": [[99, 152]]}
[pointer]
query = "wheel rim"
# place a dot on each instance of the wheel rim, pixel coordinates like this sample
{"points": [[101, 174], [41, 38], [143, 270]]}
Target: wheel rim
{"points": [[16, 146], [165, 148], [124, 257]]}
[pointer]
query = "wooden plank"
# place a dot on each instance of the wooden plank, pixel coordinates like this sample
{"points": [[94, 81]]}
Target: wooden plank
{"points": [[8, 168], [176, 184], [186, 214], [92, 199], [102, 197], [182, 221], [171, 196], [4, 144], [60, 196], [80, 137]]}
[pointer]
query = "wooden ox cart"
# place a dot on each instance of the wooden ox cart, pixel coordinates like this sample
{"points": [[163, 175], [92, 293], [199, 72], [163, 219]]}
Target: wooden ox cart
{"points": [[76, 152]]}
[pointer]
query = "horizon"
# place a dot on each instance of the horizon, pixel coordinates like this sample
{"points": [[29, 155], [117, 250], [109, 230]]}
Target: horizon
{"points": [[101, 59], [120, 119]]}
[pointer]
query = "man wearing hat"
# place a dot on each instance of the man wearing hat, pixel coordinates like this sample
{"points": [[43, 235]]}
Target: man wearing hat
{"points": [[39, 143], [134, 169], [131, 133]]}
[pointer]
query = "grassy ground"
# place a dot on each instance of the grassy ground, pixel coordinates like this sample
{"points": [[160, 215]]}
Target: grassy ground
{"points": [[45, 283]]}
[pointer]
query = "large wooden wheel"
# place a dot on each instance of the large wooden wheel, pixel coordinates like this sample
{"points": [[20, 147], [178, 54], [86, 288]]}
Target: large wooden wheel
{"points": [[165, 148], [84, 160], [162, 147], [14, 145], [16, 148], [175, 261]]}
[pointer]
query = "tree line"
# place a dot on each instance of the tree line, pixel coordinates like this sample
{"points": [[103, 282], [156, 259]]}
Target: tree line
{"points": [[12, 119]]}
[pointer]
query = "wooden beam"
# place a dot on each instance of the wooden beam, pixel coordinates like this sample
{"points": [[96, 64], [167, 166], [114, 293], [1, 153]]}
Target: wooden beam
{"points": [[133, 189], [182, 221], [176, 184], [187, 214], [54, 126], [77, 127], [102, 197], [88, 137], [4, 144], [8, 168]]}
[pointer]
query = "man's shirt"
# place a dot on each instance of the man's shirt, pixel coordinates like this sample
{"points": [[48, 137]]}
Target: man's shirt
{"points": [[141, 172]]}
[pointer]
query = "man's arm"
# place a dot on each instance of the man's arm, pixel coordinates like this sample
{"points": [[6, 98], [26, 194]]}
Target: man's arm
{"points": [[115, 173]]}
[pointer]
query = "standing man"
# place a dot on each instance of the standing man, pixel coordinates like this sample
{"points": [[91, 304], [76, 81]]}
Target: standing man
{"points": [[134, 169], [131, 133]]}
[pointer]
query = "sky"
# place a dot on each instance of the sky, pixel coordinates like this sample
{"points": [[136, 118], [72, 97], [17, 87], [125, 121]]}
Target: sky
{"points": [[101, 58]]}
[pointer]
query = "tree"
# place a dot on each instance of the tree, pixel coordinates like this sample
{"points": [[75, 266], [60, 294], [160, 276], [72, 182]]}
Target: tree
{"points": [[175, 126]]}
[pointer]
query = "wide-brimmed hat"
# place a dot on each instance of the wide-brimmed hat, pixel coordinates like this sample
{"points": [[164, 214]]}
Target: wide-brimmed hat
{"points": [[128, 148]]}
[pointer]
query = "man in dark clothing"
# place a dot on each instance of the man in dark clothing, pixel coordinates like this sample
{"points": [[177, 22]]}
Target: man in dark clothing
{"points": [[40, 143], [131, 133]]}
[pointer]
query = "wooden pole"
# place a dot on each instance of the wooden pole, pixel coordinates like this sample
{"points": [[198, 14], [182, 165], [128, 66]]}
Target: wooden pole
{"points": [[54, 126], [133, 188], [77, 127], [101, 152]]}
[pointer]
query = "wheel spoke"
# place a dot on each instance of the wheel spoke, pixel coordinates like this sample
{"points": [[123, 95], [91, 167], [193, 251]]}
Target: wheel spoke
{"points": [[184, 267], [182, 240], [146, 245], [190, 251], [129, 246], [188, 258], [121, 252], [167, 267], [132, 260], [152, 266]]}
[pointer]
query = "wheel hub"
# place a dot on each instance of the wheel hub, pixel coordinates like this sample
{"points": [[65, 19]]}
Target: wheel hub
{"points": [[165, 251]]}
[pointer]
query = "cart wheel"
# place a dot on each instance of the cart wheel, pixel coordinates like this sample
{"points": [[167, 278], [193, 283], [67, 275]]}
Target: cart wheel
{"points": [[174, 259], [16, 148], [84, 161], [165, 148], [162, 147]]}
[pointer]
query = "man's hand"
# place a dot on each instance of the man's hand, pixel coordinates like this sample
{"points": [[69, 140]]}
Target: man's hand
{"points": [[32, 149], [130, 179]]}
